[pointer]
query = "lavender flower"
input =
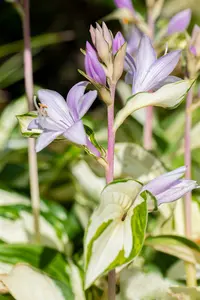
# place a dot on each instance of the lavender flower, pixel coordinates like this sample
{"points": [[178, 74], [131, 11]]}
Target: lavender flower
{"points": [[146, 72], [124, 4], [195, 41], [59, 117], [93, 67], [169, 187], [179, 22]]}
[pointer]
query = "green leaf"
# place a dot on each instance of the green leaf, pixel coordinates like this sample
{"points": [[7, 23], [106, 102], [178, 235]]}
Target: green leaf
{"points": [[26, 283], [178, 246], [133, 160], [16, 217], [24, 120], [8, 120], [168, 96], [116, 230]]}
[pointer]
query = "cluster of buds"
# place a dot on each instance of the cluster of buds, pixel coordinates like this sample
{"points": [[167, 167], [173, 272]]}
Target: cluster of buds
{"points": [[193, 53], [104, 61]]}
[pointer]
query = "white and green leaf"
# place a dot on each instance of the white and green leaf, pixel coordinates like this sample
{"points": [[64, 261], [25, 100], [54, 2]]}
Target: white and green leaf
{"points": [[168, 96], [116, 230]]}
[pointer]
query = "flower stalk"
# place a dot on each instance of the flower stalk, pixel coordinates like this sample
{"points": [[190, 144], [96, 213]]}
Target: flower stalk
{"points": [[148, 125], [110, 176], [28, 79], [189, 268]]}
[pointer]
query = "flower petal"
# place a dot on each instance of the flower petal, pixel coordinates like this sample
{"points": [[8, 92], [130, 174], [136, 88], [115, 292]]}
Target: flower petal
{"points": [[85, 102], [180, 21], [76, 134], [57, 108], [146, 57], [134, 39], [45, 138], [74, 96], [124, 4], [34, 124], [175, 192], [159, 71], [163, 182]]}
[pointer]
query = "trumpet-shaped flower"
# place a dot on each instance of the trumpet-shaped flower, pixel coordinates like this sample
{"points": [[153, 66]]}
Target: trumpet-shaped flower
{"points": [[59, 117], [169, 186], [179, 22], [147, 73]]}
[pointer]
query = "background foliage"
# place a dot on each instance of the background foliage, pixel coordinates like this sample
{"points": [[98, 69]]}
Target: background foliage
{"points": [[69, 187]]}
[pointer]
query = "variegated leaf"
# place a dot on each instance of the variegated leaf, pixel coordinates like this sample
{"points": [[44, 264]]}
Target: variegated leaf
{"points": [[116, 230], [168, 96]]}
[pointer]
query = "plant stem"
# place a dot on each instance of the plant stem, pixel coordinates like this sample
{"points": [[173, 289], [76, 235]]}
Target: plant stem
{"points": [[110, 177], [148, 125], [190, 268], [28, 79]]}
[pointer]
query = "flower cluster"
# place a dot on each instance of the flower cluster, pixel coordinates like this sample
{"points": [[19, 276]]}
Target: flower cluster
{"points": [[104, 61]]}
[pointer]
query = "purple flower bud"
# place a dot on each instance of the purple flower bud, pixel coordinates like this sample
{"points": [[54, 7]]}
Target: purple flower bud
{"points": [[118, 42], [195, 41], [93, 67], [179, 22], [124, 4]]}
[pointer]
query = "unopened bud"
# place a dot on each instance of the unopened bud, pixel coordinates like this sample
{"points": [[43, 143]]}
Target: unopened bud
{"points": [[102, 47], [93, 67], [107, 35], [119, 63], [118, 42], [195, 41], [105, 95]]}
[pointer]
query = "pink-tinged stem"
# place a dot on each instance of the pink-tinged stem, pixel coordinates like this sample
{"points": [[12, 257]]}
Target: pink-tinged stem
{"points": [[28, 80], [148, 126], [190, 268], [109, 178]]}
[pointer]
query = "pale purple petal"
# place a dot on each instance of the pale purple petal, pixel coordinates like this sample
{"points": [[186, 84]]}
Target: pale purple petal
{"points": [[74, 96], [163, 182], [46, 138], [146, 57], [57, 108], [130, 63], [159, 71], [85, 102], [180, 21], [76, 134], [124, 4], [169, 79], [134, 38], [176, 191], [118, 42], [92, 148], [93, 67], [34, 124]]}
